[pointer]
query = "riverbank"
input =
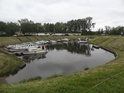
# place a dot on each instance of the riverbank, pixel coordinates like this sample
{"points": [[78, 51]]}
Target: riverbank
{"points": [[22, 39], [107, 78], [9, 63]]}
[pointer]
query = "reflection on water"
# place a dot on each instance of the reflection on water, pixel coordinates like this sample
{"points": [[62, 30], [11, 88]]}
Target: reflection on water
{"points": [[73, 47], [61, 59], [30, 58]]}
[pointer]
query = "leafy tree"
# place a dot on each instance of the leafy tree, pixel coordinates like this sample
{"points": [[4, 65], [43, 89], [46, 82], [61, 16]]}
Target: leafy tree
{"points": [[28, 26], [2, 28], [11, 28]]}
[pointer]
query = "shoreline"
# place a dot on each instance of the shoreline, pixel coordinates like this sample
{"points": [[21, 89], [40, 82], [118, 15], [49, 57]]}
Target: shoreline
{"points": [[21, 67]]}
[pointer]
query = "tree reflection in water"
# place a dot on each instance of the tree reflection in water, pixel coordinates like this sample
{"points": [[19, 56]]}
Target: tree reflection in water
{"points": [[73, 47]]}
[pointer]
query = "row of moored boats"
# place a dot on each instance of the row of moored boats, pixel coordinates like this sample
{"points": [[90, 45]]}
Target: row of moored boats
{"points": [[38, 47]]}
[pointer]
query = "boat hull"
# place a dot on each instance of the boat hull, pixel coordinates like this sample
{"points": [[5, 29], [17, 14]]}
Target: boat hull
{"points": [[34, 52]]}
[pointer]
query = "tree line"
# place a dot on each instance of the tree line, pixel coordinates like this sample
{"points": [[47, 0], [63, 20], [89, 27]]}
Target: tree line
{"points": [[28, 27], [119, 30]]}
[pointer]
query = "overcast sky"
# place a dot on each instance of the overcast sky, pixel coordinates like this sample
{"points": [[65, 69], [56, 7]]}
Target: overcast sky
{"points": [[104, 12]]}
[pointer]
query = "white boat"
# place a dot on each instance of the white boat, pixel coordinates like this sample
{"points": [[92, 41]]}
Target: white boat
{"points": [[9, 46], [20, 47], [84, 42], [41, 42], [53, 42], [65, 40], [35, 50]]}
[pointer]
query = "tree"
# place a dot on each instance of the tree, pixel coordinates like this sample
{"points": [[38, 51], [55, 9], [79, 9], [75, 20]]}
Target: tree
{"points": [[58, 27], [11, 28], [107, 30], [89, 23], [2, 28], [27, 26]]}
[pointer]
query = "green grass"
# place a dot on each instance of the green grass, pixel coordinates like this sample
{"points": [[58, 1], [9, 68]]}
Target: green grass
{"points": [[14, 40], [108, 78], [9, 63], [31, 79]]}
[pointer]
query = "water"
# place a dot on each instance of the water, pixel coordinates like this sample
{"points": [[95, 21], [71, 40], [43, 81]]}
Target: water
{"points": [[61, 59]]}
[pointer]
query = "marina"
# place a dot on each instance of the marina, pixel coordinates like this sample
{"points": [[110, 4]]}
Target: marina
{"points": [[59, 59], [38, 46]]}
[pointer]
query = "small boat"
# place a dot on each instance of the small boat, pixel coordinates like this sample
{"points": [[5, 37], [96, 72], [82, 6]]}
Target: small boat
{"points": [[82, 42], [53, 42], [65, 40], [59, 40], [19, 49], [35, 50], [9, 46], [41, 42]]}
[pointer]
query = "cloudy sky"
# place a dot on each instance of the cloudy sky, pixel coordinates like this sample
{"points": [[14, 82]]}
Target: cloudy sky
{"points": [[104, 12]]}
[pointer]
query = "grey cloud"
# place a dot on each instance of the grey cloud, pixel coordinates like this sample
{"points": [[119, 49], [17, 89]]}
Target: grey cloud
{"points": [[104, 12]]}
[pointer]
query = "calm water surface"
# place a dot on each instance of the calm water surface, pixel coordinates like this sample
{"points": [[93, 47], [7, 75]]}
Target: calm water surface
{"points": [[62, 59]]}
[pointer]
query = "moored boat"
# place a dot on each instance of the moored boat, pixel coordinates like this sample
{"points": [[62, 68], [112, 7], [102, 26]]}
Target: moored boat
{"points": [[35, 50], [83, 42], [42, 42], [53, 42], [65, 40]]}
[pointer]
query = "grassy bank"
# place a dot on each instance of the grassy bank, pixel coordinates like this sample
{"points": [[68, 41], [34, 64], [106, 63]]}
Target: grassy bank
{"points": [[9, 63], [14, 40], [108, 78]]}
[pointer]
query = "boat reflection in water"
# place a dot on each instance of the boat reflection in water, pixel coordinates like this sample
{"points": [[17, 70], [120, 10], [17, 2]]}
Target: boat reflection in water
{"points": [[30, 58], [61, 59]]}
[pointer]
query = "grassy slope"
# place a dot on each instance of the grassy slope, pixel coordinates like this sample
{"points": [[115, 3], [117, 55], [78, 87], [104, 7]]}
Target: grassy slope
{"points": [[13, 40], [9, 63], [108, 78]]}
